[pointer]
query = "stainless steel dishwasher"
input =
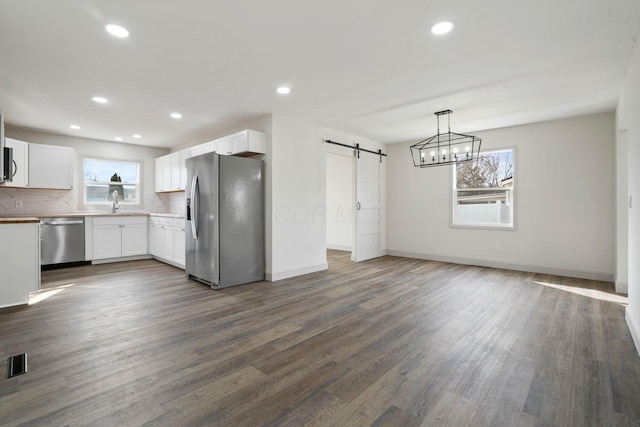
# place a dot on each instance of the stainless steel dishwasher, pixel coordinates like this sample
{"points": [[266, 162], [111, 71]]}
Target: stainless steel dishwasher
{"points": [[62, 240]]}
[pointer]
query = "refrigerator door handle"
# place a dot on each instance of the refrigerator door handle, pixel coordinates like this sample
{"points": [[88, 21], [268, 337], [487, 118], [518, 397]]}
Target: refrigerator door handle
{"points": [[194, 210]]}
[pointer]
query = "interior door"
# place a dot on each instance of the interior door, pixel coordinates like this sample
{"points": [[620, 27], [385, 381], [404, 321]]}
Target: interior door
{"points": [[367, 230]]}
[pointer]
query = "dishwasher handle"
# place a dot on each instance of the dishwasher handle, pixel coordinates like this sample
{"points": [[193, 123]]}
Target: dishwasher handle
{"points": [[73, 222]]}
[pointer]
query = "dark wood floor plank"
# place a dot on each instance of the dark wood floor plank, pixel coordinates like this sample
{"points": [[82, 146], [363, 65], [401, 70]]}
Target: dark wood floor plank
{"points": [[390, 341]]}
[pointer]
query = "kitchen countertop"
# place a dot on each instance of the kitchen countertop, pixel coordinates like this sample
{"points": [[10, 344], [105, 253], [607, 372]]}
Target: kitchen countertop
{"points": [[15, 219], [92, 214]]}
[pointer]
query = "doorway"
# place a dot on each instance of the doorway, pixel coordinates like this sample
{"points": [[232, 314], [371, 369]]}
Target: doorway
{"points": [[353, 204]]}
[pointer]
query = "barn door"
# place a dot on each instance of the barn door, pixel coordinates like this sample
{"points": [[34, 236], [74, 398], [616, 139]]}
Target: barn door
{"points": [[367, 229]]}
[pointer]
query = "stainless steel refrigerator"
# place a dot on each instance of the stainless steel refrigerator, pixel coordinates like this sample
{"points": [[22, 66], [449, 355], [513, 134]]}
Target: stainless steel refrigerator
{"points": [[225, 220]]}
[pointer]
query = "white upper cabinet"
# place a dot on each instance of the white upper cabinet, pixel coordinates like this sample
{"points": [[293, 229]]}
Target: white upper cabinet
{"points": [[162, 174], [184, 155], [196, 150], [50, 166], [223, 145], [245, 142], [171, 172], [207, 147], [20, 166]]}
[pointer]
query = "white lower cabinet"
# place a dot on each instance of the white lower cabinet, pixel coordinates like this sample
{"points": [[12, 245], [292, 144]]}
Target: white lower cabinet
{"points": [[20, 266], [166, 239], [117, 237]]}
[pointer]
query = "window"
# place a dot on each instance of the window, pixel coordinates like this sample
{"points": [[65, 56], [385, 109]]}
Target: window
{"points": [[103, 177], [483, 190]]}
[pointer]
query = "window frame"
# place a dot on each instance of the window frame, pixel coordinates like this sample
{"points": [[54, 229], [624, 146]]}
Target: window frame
{"points": [[84, 205], [514, 208]]}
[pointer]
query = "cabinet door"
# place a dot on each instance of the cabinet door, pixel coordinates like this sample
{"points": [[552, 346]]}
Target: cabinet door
{"points": [[158, 175], [223, 145], [178, 246], [107, 241], [239, 142], [248, 141], [166, 173], [168, 243], [134, 239], [50, 166], [196, 150], [20, 167], [174, 160], [156, 240], [209, 147], [184, 155]]}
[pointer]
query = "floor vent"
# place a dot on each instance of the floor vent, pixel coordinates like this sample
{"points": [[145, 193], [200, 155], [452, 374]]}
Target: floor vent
{"points": [[16, 365]]}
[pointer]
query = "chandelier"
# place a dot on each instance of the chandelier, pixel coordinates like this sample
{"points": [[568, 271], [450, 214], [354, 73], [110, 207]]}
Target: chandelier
{"points": [[445, 148]]}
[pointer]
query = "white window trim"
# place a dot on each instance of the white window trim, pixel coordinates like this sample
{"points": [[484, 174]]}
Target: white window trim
{"points": [[82, 206], [516, 208]]}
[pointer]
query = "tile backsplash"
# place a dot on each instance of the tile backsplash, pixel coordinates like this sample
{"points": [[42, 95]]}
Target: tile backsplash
{"points": [[29, 201]]}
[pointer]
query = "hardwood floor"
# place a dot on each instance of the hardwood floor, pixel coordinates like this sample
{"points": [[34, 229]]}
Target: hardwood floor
{"points": [[387, 342]]}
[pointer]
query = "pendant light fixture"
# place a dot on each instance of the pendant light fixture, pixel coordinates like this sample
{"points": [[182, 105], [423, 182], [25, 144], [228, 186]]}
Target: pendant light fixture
{"points": [[445, 148]]}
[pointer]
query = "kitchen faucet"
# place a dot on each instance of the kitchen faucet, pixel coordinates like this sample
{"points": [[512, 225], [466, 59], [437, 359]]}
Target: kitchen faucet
{"points": [[115, 201]]}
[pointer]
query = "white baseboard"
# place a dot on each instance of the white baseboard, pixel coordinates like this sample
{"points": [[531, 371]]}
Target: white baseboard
{"points": [[339, 247], [124, 258], [622, 288], [634, 328], [286, 274], [168, 261], [580, 274]]}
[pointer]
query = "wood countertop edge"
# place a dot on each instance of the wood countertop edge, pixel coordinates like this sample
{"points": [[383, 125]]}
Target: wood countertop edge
{"points": [[21, 220]]}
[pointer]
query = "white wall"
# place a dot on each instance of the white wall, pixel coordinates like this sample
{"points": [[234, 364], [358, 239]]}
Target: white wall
{"points": [[37, 201], [622, 212], [565, 203], [340, 201], [628, 127], [298, 199], [299, 194]]}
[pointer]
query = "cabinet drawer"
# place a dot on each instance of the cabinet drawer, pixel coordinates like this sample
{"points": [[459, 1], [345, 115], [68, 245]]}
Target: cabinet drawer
{"points": [[161, 220], [177, 223], [119, 220]]}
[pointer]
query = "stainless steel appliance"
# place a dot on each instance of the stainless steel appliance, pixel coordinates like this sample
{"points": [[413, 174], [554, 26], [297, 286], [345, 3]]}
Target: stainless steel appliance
{"points": [[62, 240], [225, 220]]}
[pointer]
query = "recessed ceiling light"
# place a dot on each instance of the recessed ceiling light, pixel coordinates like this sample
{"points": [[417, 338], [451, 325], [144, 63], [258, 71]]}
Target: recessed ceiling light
{"points": [[441, 28], [136, 136], [283, 90], [117, 138], [176, 115], [99, 100], [76, 127], [117, 31]]}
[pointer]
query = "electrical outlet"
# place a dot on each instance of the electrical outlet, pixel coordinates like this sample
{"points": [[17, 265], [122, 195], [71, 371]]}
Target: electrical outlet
{"points": [[18, 203]]}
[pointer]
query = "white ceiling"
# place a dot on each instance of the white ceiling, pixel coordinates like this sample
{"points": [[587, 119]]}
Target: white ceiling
{"points": [[367, 67]]}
